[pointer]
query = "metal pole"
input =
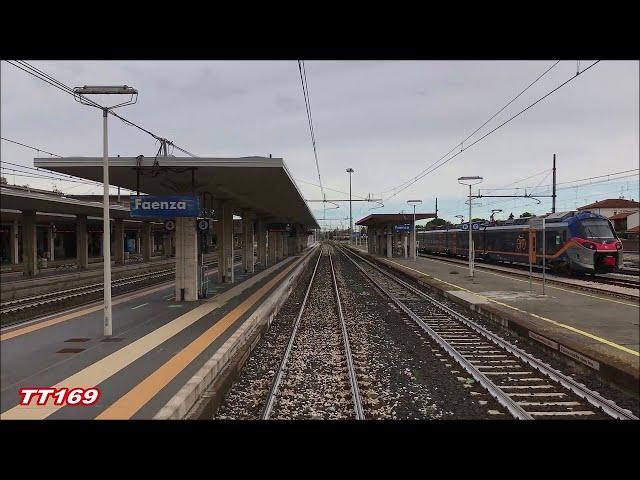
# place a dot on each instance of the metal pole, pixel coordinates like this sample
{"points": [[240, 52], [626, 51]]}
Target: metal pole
{"points": [[553, 196], [414, 253], [106, 232], [530, 255], [350, 214], [470, 238], [544, 256]]}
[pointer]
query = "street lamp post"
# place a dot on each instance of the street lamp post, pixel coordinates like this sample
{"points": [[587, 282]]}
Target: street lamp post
{"points": [[493, 212], [350, 171], [78, 94], [461, 217], [471, 181], [414, 246]]}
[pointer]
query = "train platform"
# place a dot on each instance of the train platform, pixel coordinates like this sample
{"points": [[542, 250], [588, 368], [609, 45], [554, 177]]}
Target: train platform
{"points": [[158, 346], [599, 331]]}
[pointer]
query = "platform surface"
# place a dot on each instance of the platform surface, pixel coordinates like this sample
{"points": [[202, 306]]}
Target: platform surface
{"points": [[136, 372], [600, 326]]}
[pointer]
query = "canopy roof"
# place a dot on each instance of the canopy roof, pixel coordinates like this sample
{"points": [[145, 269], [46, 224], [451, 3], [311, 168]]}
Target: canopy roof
{"points": [[261, 184], [392, 218], [13, 199]]}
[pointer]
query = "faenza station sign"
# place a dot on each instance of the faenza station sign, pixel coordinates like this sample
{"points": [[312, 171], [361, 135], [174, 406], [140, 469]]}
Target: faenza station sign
{"points": [[164, 206]]}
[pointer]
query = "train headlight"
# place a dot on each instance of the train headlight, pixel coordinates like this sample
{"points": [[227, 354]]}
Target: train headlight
{"points": [[590, 246]]}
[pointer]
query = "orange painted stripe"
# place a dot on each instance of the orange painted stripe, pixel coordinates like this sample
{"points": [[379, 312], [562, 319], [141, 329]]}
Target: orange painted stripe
{"points": [[127, 405]]}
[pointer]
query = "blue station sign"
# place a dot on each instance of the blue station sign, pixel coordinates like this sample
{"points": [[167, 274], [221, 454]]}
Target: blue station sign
{"points": [[164, 206], [402, 228]]}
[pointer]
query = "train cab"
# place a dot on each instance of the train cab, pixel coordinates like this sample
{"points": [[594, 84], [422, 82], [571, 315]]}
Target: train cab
{"points": [[598, 249]]}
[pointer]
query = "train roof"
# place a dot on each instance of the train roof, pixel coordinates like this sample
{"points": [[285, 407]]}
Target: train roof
{"points": [[553, 218]]}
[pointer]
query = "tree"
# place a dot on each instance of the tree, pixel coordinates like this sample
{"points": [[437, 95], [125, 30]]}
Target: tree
{"points": [[435, 223], [511, 216], [478, 220], [526, 214], [3, 180]]}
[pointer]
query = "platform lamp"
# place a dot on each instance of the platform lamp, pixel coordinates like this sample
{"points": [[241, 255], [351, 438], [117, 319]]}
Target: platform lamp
{"points": [[350, 171], [461, 217], [470, 181], [493, 212], [79, 95], [414, 255]]}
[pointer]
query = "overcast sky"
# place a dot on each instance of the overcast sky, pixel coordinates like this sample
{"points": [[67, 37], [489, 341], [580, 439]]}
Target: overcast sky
{"points": [[386, 119]]}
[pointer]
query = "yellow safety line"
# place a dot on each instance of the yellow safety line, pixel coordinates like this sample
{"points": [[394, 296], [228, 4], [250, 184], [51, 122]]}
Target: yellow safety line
{"points": [[484, 270], [136, 398], [554, 322], [105, 368], [76, 314]]}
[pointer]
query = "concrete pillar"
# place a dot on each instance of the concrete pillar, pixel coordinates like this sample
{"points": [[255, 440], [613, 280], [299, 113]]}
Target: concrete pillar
{"points": [[82, 242], [29, 243], [272, 248], [166, 244], [15, 252], [224, 214], [285, 244], [145, 242], [277, 243], [52, 246], [138, 240], [262, 243], [248, 254], [405, 246], [118, 241], [186, 259], [390, 242]]}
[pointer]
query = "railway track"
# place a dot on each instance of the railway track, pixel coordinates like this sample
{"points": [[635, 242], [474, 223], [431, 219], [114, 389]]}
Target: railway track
{"points": [[30, 306], [526, 387], [631, 281], [316, 377]]}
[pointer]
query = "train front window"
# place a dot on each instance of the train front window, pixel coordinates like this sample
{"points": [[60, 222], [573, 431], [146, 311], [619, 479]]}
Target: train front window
{"points": [[597, 229]]}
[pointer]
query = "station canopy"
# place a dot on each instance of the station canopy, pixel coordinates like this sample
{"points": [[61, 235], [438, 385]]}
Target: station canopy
{"points": [[380, 219], [263, 185], [22, 200]]}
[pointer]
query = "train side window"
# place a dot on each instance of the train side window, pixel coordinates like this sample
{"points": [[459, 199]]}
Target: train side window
{"points": [[558, 239]]}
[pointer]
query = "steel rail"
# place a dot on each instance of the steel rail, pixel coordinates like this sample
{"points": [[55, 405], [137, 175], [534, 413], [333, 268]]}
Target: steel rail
{"points": [[353, 380], [594, 398], [35, 301], [283, 364], [502, 398]]}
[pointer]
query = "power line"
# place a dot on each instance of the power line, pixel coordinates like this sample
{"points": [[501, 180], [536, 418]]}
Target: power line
{"points": [[45, 77], [29, 146], [461, 143], [429, 170], [307, 104]]}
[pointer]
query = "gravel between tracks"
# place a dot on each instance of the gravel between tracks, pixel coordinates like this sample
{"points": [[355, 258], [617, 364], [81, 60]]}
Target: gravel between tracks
{"points": [[577, 372], [402, 374]]}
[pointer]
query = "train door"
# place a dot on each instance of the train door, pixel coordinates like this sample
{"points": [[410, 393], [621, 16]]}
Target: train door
{"points": [[532, 245]]}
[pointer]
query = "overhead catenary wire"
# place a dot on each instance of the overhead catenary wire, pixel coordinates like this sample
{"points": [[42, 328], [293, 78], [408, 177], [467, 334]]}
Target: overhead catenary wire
{"points": [[307, 104], [429, 169], [45, 77], [461, 143], [30, 146]]}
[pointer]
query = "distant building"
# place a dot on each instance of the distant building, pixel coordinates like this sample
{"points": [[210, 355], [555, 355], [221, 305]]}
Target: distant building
{"points": [[612, 206], [623, 213]]}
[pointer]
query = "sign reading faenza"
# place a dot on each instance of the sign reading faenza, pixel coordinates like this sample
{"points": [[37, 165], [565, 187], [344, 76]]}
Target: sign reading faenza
{"points": [[164, 206]]}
